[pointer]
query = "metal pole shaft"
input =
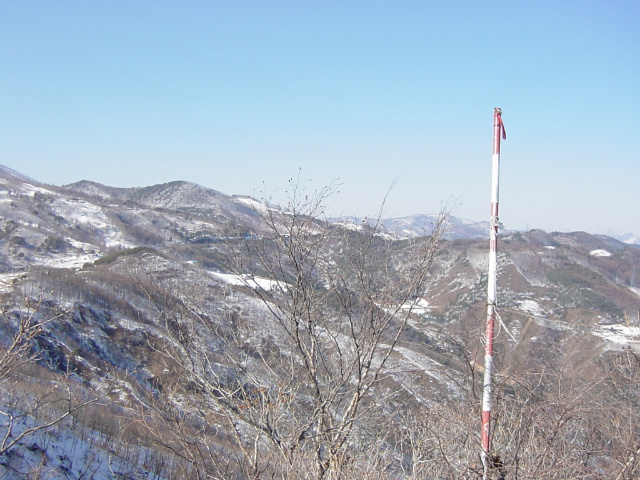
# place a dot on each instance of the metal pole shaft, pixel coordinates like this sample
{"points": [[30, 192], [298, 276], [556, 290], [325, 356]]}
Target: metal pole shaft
{"points": [[498, 130]]}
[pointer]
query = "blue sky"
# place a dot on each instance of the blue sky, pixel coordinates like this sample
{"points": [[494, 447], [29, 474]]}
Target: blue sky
{"points": [[240, 95]]}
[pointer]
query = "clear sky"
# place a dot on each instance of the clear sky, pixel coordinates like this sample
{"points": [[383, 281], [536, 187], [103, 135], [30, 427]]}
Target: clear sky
{"points": [[235, 95]]}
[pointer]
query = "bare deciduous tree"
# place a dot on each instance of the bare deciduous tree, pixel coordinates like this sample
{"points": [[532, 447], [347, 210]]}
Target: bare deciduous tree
{"points": [[304, 399], [30, 406]]}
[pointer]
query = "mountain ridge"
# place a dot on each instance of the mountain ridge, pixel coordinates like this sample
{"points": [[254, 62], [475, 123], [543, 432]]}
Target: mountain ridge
{"points": [[192, 197], [123, 276]]}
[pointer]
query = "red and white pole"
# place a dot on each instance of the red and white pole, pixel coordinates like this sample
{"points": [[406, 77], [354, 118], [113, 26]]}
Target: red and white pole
{"points": [[498, 131]]}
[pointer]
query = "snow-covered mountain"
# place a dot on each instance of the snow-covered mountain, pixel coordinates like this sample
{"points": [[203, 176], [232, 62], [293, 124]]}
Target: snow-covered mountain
{"points": [[630, 238], [130, 281], [418, 226]]}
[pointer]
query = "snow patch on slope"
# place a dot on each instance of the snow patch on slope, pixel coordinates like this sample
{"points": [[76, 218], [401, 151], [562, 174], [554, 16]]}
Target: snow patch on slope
{"points": [[259, 207], [249, 280], [59, 454], [532, 307], [69, 261], [619, 334], [599, 253]]}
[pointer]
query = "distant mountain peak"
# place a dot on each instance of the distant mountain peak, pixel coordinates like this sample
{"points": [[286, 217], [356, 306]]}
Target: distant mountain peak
{"points": [[419, 225]]}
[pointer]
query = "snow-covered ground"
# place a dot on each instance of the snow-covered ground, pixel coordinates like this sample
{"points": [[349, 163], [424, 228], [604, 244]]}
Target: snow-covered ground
{"points": [[6, 281], [248, 280], [259, 207], [422, 363], [89, 215], [552, 324], [599, 253], [420, 307], [30, 189], [59, 454], [67, 261], [532, 307], [619, 334]]}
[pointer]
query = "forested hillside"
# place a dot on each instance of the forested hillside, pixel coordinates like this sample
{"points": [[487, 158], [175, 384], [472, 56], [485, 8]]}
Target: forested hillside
{"points": [[173, 332]]}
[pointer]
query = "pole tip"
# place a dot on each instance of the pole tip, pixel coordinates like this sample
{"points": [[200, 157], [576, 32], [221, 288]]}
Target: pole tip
{"points": [[497, 111]]}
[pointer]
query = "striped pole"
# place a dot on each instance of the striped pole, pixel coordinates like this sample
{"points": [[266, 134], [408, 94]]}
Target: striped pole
{"points": [[498, 131]]}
